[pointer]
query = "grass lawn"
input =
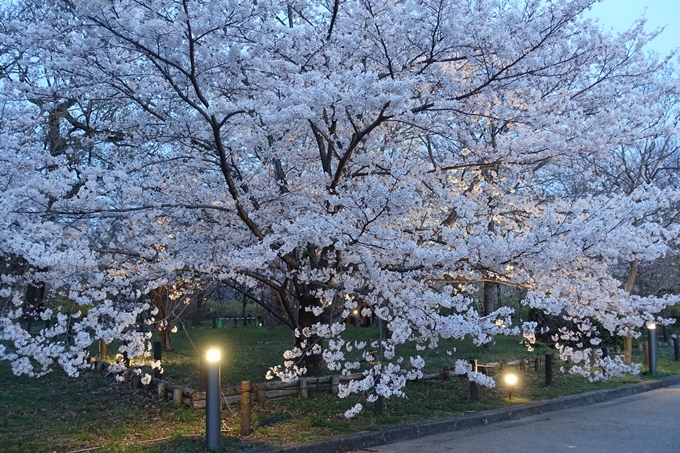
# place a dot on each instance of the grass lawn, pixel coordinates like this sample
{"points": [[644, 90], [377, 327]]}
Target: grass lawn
{"points": [[94, 413]]}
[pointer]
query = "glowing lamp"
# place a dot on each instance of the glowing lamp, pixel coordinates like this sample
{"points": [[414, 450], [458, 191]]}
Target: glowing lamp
{"points": [[213, 355], [510, 381]]}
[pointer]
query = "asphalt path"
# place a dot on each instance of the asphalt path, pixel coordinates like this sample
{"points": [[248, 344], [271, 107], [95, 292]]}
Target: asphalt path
{"points": [[644, 423]]}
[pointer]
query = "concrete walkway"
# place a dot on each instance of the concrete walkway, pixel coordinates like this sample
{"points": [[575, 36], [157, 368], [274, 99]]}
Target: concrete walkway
{"points": [[448, 435], [647, 422]]}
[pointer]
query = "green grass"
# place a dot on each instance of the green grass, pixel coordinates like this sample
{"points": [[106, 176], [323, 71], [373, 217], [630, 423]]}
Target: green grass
{"points": [[59, 414], [248, 352]]}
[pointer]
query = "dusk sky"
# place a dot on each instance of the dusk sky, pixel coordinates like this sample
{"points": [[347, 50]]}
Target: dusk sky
{"points": [[620, 15]]}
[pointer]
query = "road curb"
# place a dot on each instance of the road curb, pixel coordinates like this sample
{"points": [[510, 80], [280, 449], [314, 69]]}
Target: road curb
{"points": [[365, 439]]}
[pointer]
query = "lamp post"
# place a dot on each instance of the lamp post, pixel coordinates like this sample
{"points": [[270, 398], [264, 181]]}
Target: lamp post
{"points": [[212, 401], [651, 331], [510, 380]]}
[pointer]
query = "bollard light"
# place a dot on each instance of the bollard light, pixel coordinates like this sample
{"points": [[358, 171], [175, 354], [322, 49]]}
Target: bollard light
{"points": [[651, 331], [212, 401], [510, 381]]}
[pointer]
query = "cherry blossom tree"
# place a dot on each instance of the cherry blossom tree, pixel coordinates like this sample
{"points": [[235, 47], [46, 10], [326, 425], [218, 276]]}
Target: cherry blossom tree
{"points": [[378, 154]]}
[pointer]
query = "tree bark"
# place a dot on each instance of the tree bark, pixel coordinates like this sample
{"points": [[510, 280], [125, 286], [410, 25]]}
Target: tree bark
{"points": [[628, 341], [489, 298], [311, 362], [160, 300]]}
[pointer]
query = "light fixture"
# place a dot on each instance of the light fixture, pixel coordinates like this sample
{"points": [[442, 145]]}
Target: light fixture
{"points": [[651, 344], [213, 401], [510, 381], [213, 355]]}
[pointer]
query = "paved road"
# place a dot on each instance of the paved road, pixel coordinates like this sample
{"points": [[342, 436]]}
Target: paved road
{"points": [[643, 423]]}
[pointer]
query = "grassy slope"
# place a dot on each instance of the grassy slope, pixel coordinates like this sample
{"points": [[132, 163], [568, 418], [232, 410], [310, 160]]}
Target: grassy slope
{"points": [[56, 413]]}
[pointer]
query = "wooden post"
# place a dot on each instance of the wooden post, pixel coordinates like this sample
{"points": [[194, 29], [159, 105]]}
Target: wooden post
{"points": [[161, 391], [628, 349], [537, 364], [335, 385], [676, 347], [135, 381], [474, 389], [548, 369], [157, 356], [379, 404], [522, 365], [177, 397], [504, 364], [261, 395], [445, 373], [645, 346], [103, 350], [245, 408], [302, 390]]}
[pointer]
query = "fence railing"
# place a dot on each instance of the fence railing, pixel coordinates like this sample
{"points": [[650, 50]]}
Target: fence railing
{"points": [[301, 387]]}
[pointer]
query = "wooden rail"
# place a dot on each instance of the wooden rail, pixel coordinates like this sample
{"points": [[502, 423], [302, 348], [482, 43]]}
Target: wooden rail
{"points": [[301, 387]]}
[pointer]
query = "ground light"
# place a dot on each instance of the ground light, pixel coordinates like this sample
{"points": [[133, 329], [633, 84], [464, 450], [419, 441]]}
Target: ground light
{"points": [[212, 401], [510, 381], [651, 341]]}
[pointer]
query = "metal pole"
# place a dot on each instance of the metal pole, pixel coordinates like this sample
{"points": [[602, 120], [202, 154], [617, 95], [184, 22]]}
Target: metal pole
{"points": [[651, 329], [548, 369], [212, 402], [676, 347]]}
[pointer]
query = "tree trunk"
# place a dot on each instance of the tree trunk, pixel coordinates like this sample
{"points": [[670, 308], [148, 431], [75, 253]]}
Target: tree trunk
{"points": [[490, 287], [160, 300], [34, 303], [628, 341], [489, 298], [312, 362]]}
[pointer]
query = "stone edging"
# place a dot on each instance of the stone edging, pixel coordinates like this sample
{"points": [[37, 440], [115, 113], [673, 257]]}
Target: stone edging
{"points": [[365, 439]]}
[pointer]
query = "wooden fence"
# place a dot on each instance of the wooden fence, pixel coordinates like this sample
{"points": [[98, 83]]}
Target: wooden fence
{"points": [[300, 387]]}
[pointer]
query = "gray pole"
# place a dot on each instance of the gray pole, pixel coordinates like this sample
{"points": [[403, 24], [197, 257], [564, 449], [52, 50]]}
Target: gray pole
{"points": [[548, 369], [212, 405], [676, 347], [651, 329]]}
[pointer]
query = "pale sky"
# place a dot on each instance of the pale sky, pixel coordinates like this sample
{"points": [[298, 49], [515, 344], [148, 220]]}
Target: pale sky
{"points": [[619, 15]]}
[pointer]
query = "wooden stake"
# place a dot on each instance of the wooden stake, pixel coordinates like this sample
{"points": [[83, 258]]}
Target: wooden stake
{"points": [[161, 391], [474, 389], [302, 393], [103, 350], [177, 397], [261, 395], [335, 385], [245, 408], [645, 346]]}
